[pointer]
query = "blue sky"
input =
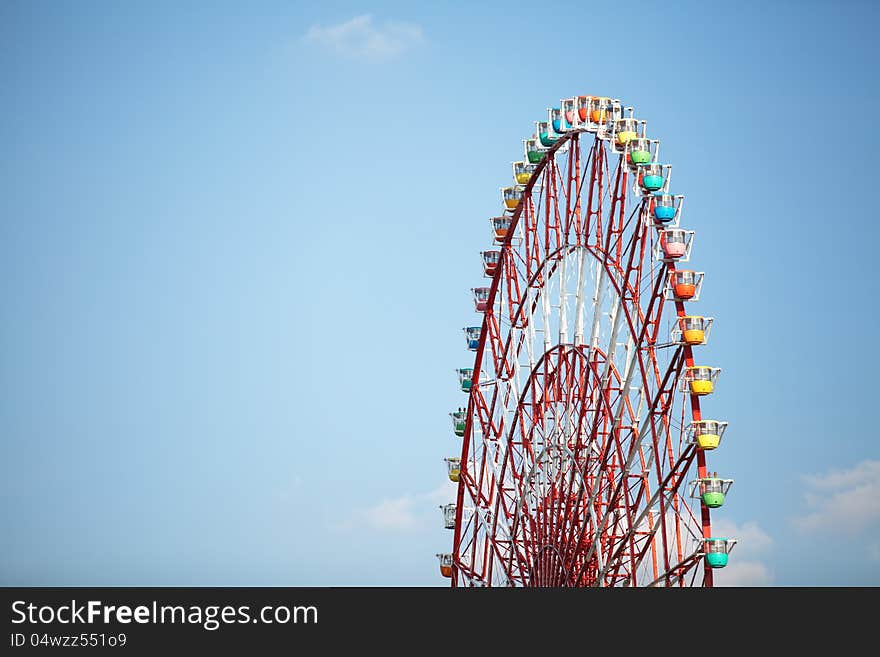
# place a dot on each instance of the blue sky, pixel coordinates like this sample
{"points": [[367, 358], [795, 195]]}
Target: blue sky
{"points": [[237, 243]]}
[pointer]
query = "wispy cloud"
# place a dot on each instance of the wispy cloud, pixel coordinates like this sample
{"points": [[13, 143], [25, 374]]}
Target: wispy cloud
{"points": [[405, 513], [360, 37], [398, 514], [743, 573], [843, 501], [746, 566]]}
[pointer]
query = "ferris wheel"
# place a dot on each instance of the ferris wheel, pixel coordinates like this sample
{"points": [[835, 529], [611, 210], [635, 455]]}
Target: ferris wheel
{"points": [[583, 456]]}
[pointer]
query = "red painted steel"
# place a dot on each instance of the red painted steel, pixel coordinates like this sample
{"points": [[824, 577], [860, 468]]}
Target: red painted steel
{"points": [[606, 506]]}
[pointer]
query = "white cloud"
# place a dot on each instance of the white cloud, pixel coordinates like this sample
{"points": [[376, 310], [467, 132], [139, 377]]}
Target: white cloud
{"points": [[443, 494], [392, 514], [746, 566], [842, 501], [359, 37], [742, 573], [405, 513], [751, 539]]}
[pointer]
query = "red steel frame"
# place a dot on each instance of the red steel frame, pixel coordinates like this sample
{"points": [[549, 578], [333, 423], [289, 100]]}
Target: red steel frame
{"points": [[614, 512]]}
